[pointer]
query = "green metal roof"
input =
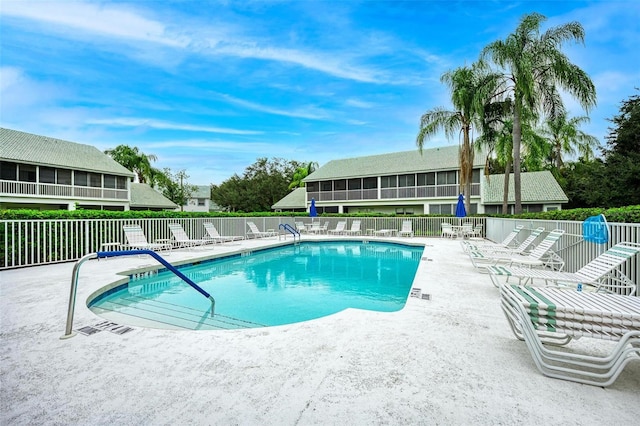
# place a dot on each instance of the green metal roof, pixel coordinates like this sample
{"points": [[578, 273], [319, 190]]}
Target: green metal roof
{"points": [[142, 195], [27, 148], [434, 159], [536, 187], [296, 199]]}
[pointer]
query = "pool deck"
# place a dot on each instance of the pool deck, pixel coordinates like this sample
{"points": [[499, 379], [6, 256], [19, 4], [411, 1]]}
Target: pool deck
{"points": [[451, 360]]}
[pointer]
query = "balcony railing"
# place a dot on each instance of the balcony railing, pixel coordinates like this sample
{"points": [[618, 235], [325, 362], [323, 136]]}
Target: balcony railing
{"points": [[33, 189], [392, 193]]}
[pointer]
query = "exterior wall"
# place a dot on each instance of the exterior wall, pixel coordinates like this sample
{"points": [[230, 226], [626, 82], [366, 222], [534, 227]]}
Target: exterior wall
{"points": [[196, 205]]}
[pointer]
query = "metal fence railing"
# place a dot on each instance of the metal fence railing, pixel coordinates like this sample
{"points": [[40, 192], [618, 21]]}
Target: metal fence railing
{"points": [[38, 242]]}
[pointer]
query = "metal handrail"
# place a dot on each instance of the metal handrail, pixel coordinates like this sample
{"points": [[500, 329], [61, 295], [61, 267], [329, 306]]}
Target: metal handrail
{"points": [[102, 254], [291, 230]]}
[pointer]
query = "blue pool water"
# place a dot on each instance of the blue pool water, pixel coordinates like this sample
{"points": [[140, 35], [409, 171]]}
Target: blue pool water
{"points": [[269, 287]]}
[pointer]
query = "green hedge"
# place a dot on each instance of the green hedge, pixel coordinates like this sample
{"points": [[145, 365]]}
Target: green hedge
{"points": [[629, 214]]}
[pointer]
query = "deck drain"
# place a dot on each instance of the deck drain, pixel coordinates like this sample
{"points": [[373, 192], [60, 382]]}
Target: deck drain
{"points": [[113, 327]]}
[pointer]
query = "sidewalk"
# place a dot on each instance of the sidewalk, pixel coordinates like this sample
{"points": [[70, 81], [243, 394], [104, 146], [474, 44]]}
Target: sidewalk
{"points": [[451, 360]]}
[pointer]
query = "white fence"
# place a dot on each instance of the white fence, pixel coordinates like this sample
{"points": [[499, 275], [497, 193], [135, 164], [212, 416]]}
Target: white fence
{"points": [[38, 242]]}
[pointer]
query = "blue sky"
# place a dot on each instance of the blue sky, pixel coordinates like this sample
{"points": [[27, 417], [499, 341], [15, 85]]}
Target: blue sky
{"points": [[210, 86]]}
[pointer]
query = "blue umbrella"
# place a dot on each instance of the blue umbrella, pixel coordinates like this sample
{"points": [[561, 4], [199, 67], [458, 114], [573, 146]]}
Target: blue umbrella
{"points": [[460, 210], [312, 210]]}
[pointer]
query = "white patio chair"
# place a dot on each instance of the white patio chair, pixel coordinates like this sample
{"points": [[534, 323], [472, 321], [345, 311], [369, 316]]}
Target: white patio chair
{"points": [[182, 239], [214, 235], [137, 240], [256, 233], [483, 256], [601, 274], [447, 230], [355, 229], [554, 316], [339, 229], [540, 256], [407, 229], [510, 240]]}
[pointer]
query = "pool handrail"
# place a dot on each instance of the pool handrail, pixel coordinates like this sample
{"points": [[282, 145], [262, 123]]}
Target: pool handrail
{"points": [[102, 254], [291, 230]]}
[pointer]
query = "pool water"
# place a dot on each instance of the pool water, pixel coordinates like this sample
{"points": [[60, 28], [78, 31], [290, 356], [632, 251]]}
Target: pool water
{"points": [[269, 287]]}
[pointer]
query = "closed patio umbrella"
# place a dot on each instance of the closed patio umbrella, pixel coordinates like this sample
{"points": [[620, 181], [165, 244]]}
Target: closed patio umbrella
{"points": [[460, 210], [312, 210]]}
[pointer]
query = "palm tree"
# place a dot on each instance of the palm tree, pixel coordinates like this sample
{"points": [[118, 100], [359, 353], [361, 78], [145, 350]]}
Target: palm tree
{"points": [[566, 138], [301, 173], [469, 88], [136, 161], [534, 70]]}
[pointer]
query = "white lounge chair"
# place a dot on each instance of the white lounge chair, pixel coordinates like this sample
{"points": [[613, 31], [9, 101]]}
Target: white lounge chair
{"points": [[510, 241], [137, 240], [182, 239], [256, 233], [554, 315], [484, 256], [339, 229], [213, 235], [407, 229], [601, 274], [301, 227], [355, 229], [542, 255]]}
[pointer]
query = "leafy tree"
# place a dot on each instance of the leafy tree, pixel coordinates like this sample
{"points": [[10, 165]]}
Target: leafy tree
{"points": [[565, 137], [622, 155], [175, 186], [469, 88], [301, 173], [136, 161], [534, 69], [261, 185]]}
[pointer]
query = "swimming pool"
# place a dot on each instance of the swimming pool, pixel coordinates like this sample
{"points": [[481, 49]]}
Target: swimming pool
{"points": [[268, 287]]}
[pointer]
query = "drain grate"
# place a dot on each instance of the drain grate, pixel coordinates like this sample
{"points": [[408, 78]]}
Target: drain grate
{"points": [[113, 327], [88, 330]]}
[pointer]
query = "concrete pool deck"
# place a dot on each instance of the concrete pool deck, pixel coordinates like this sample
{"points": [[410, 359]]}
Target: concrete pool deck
{"points": [[451, 360]]}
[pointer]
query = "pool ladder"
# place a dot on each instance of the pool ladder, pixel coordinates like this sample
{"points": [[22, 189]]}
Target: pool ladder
{"points": [[101, 254], [290, 229]]}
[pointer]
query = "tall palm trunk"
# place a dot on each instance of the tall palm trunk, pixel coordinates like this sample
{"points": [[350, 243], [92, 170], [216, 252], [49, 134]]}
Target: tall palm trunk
{"points": [[466, 166], [505, 191], [517, 140]]}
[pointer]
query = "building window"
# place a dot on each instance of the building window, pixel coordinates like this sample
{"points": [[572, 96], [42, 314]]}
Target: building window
{"points": [[339, 185], [389, 181], [121, 182], [406, 180], [404, 211], [201, 201], [47, 175], [313, 186], [80, 178], [8, 170], [109, 181], [325, 185], [64, 177], [475, 176], [426, 179], [370, 183], [355, 184], [441, 208], [95, 180], [26, 173], [447, 178]]}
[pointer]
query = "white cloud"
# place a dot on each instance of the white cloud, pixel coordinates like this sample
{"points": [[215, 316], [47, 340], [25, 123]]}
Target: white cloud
{"points": [[311, 112], [166, 125], [105, 19], [359, 103]]}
